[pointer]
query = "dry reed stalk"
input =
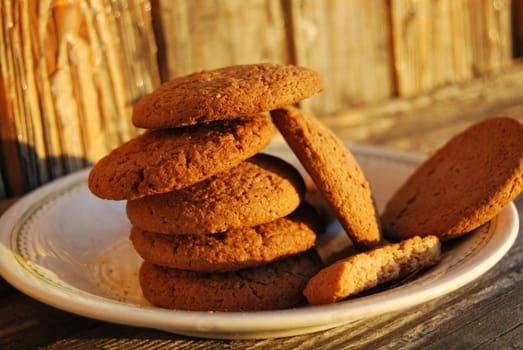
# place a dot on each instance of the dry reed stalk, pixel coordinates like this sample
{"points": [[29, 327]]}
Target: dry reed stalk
{"points": [[70, 72]]}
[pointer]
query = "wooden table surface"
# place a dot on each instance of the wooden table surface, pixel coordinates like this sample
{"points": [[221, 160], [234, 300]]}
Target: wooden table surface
{"points": [[484, 314]]}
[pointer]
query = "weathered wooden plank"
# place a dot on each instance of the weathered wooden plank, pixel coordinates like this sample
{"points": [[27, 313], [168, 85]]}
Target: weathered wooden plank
{"points": [[437, 115], [206, 34], [4, 287], [517, 22], [504, 313], [348, 43], [421, 30], [103, 337], [491, 34], [28, 324], [442, 42]]}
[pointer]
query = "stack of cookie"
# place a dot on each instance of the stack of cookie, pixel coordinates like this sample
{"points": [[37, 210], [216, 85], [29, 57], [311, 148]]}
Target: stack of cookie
{"points": [[220, 226], [223, 227]]}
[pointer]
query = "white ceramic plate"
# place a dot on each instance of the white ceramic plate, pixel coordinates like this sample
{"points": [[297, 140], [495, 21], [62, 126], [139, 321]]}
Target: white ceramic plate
{"points": [[69, 249]]}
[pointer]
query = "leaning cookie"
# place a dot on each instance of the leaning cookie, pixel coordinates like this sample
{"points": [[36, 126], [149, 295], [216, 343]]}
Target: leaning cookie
{"points": [[372, 268], [160, 161], [463, 185], [335, 172], [225, 93], [277, 285], [234, 249], [258, 190]]}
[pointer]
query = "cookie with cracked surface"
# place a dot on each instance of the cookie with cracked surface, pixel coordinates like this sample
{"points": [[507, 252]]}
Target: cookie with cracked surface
{"points": [[231, 250], [258, 190], [225, 93], [335, 172], [462, 185], [369, 269], [277, 285], [160, 161]]}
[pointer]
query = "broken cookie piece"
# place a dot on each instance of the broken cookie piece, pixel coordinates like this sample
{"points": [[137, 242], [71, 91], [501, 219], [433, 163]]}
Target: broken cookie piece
{"points": [[369, 269]]}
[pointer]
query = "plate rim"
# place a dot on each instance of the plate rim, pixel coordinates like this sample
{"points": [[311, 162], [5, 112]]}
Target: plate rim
{"points": [[237, 325]]}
